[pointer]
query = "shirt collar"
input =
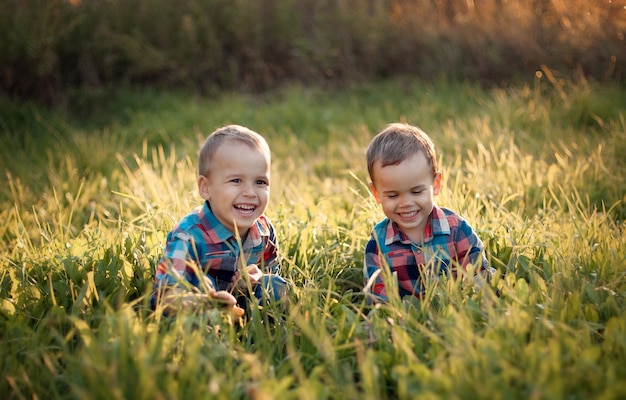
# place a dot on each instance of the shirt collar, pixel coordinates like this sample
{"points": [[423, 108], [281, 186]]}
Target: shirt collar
{"points": [[437, 225], [219, 233]]}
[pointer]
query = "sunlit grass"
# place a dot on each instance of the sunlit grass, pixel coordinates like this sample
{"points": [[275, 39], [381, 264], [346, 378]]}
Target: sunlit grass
{"points": [[85, 218]]}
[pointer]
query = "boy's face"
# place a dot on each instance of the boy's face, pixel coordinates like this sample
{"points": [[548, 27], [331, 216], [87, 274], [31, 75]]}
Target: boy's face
{"points": [[238, 185], [407, 193]]}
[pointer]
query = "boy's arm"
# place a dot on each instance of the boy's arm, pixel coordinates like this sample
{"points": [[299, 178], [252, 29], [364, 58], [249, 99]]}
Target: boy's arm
{"points": [[374, 284], [178, 262], [176, 298], [180, 282], [471, 250], [270, 262]]}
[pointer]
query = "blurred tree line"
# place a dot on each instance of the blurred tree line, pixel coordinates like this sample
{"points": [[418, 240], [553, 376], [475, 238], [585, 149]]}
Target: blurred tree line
{"points": [[50, 49]]}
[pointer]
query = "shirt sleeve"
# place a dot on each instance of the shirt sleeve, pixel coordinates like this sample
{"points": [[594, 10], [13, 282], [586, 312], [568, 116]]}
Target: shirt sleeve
{"points": [[270, 252], [470, 248], [179, 263], [374, 284]]}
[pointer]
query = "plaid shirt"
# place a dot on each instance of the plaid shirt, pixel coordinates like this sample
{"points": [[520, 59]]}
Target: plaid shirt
{"points": [[199, 244], [449, 243]]}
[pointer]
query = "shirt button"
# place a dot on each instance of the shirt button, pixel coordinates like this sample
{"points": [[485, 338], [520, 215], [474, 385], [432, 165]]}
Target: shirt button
{"points": [[418, 251]]}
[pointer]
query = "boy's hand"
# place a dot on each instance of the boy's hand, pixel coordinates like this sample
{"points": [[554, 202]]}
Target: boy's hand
{"points": [[229, 301], [254, 274], [223, 298], [177, 299]]}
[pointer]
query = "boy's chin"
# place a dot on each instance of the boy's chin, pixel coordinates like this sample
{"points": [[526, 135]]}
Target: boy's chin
{"points": [[244, 224]]}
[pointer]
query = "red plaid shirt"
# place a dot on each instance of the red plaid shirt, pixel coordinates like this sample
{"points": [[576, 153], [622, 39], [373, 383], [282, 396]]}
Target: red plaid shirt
{"points": [[449, 243], [199, 244]]}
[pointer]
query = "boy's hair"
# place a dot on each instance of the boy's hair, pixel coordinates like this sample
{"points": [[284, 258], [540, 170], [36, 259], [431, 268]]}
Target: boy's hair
{"points": [[229, 133], [398, 142]]}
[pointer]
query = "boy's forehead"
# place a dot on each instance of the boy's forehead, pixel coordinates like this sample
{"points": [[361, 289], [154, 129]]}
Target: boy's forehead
{"points": [[235, 145], [413, 167], [419, 159]]}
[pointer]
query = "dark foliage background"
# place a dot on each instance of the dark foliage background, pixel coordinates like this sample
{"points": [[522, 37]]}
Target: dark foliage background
{"points": [[50, 50]]}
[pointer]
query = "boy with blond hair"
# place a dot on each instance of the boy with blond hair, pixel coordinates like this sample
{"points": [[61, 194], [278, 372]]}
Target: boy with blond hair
{"points": [[227, 245]]}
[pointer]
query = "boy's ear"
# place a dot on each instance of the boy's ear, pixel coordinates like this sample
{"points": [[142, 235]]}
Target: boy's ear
{"points": [[203, 187], [375, 192], [437, 183]]}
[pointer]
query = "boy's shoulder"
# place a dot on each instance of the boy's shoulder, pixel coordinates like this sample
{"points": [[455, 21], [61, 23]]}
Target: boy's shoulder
{"points": [[443, 212], [453, 218], [265, 224], [445, 221], [381, 226], [189, 221]]}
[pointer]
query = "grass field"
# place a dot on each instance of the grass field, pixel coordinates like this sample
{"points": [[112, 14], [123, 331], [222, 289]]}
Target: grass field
{"points": [[89, 195]]}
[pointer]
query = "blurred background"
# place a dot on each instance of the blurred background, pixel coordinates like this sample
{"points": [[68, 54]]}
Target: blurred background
{"points": [[60, 52]]}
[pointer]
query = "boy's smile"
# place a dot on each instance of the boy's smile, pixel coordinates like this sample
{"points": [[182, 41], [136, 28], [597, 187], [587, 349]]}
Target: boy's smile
{"points": [[406, 193], [237, 186]]}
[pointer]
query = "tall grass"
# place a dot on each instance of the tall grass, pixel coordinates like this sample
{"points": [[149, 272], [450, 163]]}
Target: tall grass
{"points": [[538, 170]]}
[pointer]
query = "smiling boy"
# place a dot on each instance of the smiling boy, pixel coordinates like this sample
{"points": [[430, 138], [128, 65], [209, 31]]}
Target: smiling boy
{"points": [[417, 238], [207, 252]]}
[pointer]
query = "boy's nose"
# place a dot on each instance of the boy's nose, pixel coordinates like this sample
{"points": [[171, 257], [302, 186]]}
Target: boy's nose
{"points": [[405, 200], [248, 190]]}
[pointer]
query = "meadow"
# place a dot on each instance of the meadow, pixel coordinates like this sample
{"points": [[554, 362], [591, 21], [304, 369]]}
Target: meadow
{"points": [[538, 169]]}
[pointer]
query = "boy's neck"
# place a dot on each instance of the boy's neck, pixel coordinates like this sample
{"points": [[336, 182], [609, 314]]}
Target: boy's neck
{"points": [[416, 237]]}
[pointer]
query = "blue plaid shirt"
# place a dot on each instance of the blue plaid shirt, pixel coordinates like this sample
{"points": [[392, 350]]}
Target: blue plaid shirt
{"points": [[449, 243], [199, 244]]}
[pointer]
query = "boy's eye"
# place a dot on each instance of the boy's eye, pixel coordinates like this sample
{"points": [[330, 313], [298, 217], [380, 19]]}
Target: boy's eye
{"points": [[236, 180], [261, 182], [417, 191], [392, 196]]}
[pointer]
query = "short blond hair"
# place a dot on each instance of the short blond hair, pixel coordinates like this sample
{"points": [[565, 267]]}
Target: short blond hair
{"points": [[229, 133], [398, 142]]}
